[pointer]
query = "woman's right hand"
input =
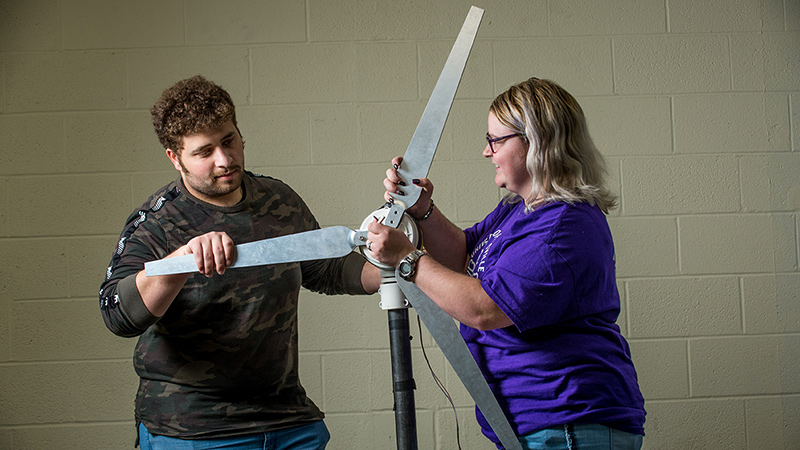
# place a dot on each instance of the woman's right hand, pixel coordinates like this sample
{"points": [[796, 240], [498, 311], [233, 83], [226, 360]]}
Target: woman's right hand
{"points": [[394, 185]]}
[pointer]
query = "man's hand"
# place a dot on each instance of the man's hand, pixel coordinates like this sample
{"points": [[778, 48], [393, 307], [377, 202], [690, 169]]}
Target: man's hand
{"points": [[212, 251]]}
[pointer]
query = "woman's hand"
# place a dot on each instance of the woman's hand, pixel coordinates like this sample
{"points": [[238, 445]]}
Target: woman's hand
{"points": [[388, 245], [457, 294], [394, 184]]}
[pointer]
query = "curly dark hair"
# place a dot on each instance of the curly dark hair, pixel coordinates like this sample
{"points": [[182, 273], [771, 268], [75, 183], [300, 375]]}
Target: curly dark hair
{"points": [[190, 106]]}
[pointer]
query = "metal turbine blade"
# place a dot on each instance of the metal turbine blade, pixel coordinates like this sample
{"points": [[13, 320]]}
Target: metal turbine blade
{"points": [[416, 164], [446, 334], [419, 155], [324, 243]]}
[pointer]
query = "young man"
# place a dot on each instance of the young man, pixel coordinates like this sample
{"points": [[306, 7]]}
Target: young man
{"points": [[217, 355]]}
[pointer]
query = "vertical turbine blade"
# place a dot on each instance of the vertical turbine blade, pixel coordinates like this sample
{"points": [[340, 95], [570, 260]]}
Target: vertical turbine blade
{"points": [[419, 155]]}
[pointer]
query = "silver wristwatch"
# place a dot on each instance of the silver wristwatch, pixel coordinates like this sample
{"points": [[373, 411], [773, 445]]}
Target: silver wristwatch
{"points": [[408, 266]]}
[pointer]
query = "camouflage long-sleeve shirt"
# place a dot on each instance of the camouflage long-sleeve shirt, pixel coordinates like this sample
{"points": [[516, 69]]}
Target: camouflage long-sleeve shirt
{"points": [[222, 360]]}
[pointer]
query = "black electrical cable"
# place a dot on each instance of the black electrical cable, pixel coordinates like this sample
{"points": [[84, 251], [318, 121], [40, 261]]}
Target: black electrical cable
{"points": [[439, 383]]}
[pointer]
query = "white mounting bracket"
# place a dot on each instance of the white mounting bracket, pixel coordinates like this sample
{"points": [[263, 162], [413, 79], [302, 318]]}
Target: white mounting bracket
{"points": [[391, 295]]}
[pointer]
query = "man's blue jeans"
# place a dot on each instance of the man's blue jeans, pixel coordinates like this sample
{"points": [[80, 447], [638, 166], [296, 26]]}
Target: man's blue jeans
{"points": [[583, 437], [314, 436]]}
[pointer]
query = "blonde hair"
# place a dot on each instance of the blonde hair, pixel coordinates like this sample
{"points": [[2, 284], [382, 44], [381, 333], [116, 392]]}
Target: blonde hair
{"points": [[562, 160]]}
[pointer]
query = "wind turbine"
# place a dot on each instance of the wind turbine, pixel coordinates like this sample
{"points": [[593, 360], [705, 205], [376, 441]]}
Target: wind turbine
{"points": [[396, 293]]}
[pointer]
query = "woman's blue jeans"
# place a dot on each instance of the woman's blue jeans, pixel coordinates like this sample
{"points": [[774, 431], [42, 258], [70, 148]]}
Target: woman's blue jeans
{"points": [[314, 436], [583, 437]]}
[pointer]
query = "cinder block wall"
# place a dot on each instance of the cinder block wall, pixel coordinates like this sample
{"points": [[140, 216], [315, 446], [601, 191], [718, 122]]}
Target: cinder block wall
{"points": [[695, 105]]}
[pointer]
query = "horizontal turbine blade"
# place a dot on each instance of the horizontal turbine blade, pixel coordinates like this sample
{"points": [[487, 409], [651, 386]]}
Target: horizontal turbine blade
{"points": [[445, 333], [323, 243]]}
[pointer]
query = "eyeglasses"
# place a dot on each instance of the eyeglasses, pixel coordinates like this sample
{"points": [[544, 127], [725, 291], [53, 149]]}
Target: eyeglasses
{"points": [[492, 141]]}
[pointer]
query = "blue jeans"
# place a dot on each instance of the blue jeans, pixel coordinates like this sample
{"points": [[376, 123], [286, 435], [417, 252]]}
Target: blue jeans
{"points": [[583, 437], [314, 436]]}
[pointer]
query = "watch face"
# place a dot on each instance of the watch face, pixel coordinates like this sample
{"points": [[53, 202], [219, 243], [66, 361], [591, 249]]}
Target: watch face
{"points": [[405, 268]]}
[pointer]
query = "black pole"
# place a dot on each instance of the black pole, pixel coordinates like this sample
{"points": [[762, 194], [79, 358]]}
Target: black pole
{"points": [[405, 419]]}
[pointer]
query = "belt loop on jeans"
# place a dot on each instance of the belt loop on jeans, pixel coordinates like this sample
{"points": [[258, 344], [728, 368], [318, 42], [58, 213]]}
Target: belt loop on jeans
{"points": [[568, 433]]}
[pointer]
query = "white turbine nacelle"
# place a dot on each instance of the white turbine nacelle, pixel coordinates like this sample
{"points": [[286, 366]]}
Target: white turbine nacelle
{"points": [[407, 225]]}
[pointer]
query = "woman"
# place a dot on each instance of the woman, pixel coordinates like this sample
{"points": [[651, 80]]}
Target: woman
{"points": [[533, 284]]}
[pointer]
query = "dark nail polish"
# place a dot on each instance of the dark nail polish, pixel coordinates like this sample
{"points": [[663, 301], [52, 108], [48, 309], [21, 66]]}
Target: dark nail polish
{"points": [[415, 181], [401, 183], [400, 192], [395, 166]]}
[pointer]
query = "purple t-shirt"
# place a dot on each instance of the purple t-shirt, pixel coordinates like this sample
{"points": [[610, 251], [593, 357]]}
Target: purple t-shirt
{"points": [[552, 271]]}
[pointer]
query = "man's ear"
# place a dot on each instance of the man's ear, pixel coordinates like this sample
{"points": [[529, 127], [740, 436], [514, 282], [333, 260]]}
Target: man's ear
{"points": [[175, 158]]}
